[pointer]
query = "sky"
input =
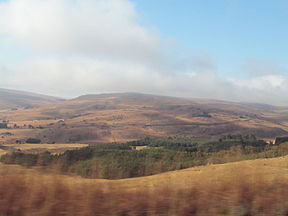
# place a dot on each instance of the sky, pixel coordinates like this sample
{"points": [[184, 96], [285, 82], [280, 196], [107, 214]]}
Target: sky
{"points": [[232, 50]]}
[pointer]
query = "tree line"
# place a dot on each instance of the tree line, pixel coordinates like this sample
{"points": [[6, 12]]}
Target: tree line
{"points": [[116, 161]]}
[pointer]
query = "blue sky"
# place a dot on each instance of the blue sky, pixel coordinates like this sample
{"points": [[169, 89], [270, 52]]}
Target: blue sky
{"points": [[232, 31], [220, 49]]}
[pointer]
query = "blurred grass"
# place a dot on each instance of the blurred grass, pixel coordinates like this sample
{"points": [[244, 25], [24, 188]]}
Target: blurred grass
{"points": [[257, 187]]}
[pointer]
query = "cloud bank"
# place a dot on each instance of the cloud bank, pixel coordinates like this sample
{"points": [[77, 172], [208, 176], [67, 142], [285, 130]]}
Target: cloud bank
{"points": [[95, 46]]}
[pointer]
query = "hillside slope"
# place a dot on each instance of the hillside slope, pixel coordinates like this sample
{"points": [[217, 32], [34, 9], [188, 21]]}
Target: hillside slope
{"points": [[130, 116], [13, 99]]}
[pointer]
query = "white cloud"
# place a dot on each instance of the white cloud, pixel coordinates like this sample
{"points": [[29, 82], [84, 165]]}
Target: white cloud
{"points": [[258, 67], [74, 76], [261, 82], [105, 28]]}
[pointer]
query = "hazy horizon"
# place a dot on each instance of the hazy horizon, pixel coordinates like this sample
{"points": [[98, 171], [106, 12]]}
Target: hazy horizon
{"points": [[223, 50]]}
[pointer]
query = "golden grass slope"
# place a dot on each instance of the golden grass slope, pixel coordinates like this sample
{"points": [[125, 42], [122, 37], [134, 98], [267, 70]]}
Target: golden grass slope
{"points": [[256, 187], [38, 148], [24, 147], [2, 152]]}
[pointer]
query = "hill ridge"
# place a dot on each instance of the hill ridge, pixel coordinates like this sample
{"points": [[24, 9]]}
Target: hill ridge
{"points": [[12, 99]]}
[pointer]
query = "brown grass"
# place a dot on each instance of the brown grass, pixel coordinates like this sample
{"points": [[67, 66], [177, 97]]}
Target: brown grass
{"points": [[38, 148], [120, 119], [2, 152], [258, 187], [24, 147]]}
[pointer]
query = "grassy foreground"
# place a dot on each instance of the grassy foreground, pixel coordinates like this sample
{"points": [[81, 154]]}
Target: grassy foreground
{"points": [[256, 187]]}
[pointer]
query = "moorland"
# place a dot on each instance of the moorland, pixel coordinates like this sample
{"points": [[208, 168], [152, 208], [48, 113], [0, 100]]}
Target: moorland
{"points": [[131, 154]]}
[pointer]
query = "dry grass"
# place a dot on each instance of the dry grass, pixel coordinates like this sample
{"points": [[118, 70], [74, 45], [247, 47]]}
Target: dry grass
{"points": [[117, 118], [245, 188], [2, 152], [24, 147]]}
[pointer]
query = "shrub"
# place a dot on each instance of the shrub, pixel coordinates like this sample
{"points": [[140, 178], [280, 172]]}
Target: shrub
{"points": [[33, 141]]}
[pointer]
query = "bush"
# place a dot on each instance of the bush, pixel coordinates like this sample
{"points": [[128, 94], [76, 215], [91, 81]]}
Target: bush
{"points": [[3, 125], [33, 141]]}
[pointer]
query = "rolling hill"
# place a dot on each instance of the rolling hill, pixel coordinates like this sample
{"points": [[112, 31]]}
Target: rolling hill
{"points": [[129, 116], [13, 99]]}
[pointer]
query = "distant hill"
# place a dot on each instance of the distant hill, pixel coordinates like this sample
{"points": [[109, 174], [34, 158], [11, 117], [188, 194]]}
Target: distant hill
{"points": [[129, 116], [12, 99]]}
